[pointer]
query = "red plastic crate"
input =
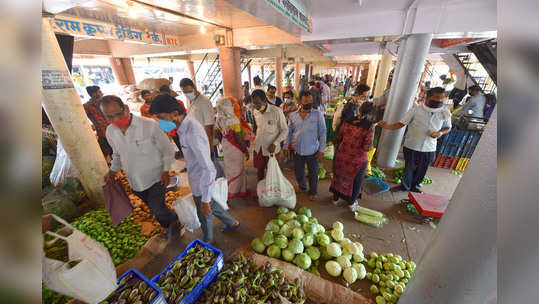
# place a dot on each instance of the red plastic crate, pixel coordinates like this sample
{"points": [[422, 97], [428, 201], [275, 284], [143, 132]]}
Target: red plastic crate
{"points": [[429, 204]]}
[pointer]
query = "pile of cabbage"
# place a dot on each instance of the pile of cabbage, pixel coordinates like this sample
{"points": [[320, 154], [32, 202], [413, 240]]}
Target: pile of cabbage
{"points": [[390, 274]]}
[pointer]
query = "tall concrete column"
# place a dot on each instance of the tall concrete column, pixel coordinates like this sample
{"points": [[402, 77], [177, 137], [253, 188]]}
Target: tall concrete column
{"points": [[412, 53], [262, 72], [373, 64], [231, 71], [383, 75], [191, 68], [64, 109], [460, 263], [296, 74], [311, 71], [307, 76], [279, 76], [249, 76], [123, 70]]}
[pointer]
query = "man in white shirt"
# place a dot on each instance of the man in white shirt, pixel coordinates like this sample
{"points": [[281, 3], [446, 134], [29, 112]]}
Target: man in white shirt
{"points": [[476, 103], [200, 109], [145, 154], [271, 131], [426, 123]]}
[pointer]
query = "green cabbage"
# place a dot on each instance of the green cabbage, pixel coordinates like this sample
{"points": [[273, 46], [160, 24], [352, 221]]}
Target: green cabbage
{"points": [[302, 218], [308, 240], [294, 223], [334, 250], [322, 239], [305, 211], [295, 246], [338, 226], [286, 230], [258, 245], [274, 251], [350, 275], [282, 210], [351, 248], [310, 228], [303, 260], [281, 241], [321, 228], [359, 257], [272, 227], [333, 268], [268, 238], [361, 271], [374, 289], [337, 235], [324, 255], [380, 300], [298, 233], [313, 252], [291, 215], [344, 262], [287, 255]]}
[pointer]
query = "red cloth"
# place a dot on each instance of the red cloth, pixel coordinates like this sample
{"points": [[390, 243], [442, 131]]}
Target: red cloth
{"points": [[354, 143], [145, 111], [96, 117]]}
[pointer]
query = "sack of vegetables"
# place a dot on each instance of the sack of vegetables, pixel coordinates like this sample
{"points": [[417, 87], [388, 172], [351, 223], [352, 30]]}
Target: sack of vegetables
{"points": [[188, 275]]}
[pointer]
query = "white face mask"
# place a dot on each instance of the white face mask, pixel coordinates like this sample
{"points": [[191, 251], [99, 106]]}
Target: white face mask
{"points": [[190, 95], [288, 100]]}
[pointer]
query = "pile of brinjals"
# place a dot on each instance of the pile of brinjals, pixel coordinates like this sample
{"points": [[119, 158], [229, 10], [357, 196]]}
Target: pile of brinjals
{"points": [[133, 291], [186, 273], [241, 281]]}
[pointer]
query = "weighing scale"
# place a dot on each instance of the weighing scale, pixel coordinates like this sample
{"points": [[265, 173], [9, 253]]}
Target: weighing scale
{"points": [[429, 204]]}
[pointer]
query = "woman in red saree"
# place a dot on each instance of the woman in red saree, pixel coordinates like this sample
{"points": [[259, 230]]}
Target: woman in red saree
{"points": [[234, 137], [355, 141]]}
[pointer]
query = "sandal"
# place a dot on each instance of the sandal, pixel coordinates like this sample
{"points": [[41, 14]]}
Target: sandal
{"points": [[230, 228], [354, 206]]}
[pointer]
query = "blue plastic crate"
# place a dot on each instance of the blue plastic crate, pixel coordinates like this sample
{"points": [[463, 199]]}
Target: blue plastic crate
{"points": [[374, 185], [208, 278], [159, 299]]}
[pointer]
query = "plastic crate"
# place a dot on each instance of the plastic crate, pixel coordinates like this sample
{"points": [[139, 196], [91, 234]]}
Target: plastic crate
{"points": [[159, 299], [374, 185], [208, 278]]}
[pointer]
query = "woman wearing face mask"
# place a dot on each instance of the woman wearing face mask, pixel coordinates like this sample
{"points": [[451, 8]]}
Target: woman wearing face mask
{"points": [[361, 94], [426, 123], [355, 141], [289, 105]]}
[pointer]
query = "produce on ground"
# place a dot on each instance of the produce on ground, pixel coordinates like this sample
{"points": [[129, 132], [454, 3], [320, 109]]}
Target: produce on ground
{"points": [[377, 172], [241, 281], [46, 168], [132, 291], [186, 273], [51, 297], [399, 173], [389, 274], [370, 217], [123, 241]]}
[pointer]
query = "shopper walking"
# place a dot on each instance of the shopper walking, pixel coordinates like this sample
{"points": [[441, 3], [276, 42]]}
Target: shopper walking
{"points": [[289, 105], [354, 141], [145, 154], [307, 135], [272, 98], [96, 116], [200, 170], [426, 123], [200, 109], [234, 147], [271, 131]]}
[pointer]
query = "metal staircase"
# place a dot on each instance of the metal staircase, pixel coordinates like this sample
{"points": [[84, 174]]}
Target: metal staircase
{"points": [[476, 72]]}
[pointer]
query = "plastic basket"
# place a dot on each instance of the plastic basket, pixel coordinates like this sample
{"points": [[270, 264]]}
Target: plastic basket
{"points": [[159, 299], [374, 185], [208, 278]]}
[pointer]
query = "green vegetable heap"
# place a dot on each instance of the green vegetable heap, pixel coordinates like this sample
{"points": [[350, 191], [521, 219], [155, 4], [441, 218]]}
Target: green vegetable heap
{"points": [[123, 241], [377, 172], [399, 173], [186, 273], [390, 274], [243, 282], [51, 297], [132, 291]]}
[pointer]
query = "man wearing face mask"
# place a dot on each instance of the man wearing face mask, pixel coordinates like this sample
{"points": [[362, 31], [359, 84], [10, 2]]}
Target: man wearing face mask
{"points": [[426, 123], [145, 154], [200, 169], [307, 134], [100, 124], [274, 100], [271, 130], [361, 95]]}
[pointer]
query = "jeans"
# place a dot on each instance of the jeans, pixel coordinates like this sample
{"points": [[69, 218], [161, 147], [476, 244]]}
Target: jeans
{"points": [[312, 166], [206, 222], [154, 198], [358, 184], [416, 165]]}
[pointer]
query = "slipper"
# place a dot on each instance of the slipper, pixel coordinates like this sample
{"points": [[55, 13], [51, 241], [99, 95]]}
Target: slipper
{"points": [[230, 228]]}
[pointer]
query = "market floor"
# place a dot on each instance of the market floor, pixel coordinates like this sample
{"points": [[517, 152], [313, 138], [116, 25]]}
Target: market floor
{"points": [[402, 234]]}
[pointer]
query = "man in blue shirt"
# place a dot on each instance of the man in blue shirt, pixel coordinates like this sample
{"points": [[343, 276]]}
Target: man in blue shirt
{"points": [[200, 169], [426, 123], [307, 134]]}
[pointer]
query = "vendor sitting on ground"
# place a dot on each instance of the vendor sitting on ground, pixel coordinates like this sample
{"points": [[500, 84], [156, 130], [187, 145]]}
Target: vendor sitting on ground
{"points": [[145, 154], [200, 169], [427, 123]]}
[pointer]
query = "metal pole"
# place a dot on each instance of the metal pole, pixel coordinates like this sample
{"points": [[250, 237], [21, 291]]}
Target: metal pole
{"points": [[460, 263], [64, 108], [411, 59]]}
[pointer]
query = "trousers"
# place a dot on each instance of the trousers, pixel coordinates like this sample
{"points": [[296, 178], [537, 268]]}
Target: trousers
{"points": [[206, 222], [154, 198], [416, 165], [312, 166]]}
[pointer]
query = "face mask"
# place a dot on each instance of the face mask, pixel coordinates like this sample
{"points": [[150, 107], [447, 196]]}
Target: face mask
{"points": [[271, 96], [120, 123], [307, 106], [166, 125], [190, 96], [434, 104], [288, 100]]}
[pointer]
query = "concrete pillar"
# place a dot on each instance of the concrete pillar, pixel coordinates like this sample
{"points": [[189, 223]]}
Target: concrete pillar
{"points": [[191, 68], [412, 53], [249, 76], [64, 109], [296, 75], [307, 69], [460, 263], [123, 71], [262, 72], [383, 75], [311, 71], [231, 71], [373, 64], [362, 73], [279, 76]]}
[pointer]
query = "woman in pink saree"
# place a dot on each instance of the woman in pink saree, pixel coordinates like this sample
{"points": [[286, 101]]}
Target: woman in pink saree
{"points": [[234, 145]]}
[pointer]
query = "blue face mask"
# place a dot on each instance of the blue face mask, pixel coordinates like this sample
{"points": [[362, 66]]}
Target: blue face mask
{"points": [[166, 125]]}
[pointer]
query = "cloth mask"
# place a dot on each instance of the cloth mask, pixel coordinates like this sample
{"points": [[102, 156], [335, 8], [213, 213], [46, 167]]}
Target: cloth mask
{"points": [[434, 104], [166, 125], [307, 106], [122, 122], [190, 96]]}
